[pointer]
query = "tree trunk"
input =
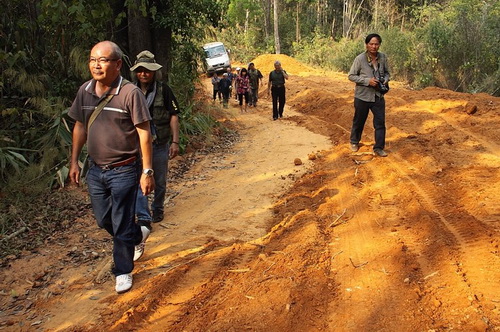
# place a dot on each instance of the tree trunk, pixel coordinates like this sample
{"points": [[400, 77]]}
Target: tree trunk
{"points": [[163, 50], [349, 16], [247, 15], [139, 32], [277, 45], [266, 5], [297, 23]]}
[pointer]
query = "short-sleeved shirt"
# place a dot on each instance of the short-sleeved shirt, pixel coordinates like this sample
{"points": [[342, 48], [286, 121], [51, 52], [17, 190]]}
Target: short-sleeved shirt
{"points": [[113, 136]]}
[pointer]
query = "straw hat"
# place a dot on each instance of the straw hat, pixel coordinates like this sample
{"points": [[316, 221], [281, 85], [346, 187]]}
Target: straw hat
{"points": [[147, 60]]}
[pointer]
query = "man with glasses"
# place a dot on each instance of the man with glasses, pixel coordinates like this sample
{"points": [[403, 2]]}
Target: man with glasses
{"points": [[116, 139]]}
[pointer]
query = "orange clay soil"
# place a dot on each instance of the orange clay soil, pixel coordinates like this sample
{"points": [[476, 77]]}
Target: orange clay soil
{"points": [[343, 242]]}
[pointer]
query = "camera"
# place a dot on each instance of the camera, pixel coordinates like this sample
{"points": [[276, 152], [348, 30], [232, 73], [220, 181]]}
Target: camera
{"points": [[383, 88]]}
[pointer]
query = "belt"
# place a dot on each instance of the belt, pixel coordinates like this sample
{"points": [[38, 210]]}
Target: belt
{"points": [[118, 163], [278, 86]]}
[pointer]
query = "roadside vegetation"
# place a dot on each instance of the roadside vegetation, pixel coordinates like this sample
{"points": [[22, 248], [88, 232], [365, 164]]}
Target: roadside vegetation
{"points": [[450, 44], [45, 45]]}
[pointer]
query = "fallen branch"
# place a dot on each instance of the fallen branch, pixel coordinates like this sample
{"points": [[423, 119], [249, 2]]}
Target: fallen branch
{"points": [[340, 216], [16, 233], [431, 275], [264, 273], [337, 254], [357, 265], [239, 270]]}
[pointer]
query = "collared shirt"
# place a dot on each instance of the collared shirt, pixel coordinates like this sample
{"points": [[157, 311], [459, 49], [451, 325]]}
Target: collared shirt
{"points": [[113, 136], [362, 71]]}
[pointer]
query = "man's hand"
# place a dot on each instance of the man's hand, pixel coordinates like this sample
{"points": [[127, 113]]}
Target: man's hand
{"points": [[373, 82], [173, 151], [147, 184], [79, 138], [74, 173]]}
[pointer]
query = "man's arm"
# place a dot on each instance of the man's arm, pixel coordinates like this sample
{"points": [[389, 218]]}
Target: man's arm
{"points": [[356, 77], [174, 128], [269, 85], [79, 138], [174, 109], [147, 182], [285, 75]]}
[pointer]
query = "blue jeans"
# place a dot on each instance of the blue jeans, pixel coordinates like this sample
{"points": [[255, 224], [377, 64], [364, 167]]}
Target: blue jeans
{"points": [[361, 110], [113, 193], [160, 165]]}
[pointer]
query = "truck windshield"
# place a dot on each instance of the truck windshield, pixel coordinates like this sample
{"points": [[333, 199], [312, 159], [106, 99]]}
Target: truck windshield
{"points": [[215, 51]]}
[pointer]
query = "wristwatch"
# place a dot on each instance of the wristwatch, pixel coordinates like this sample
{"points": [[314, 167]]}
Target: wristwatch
{"points": [[148, 172]]}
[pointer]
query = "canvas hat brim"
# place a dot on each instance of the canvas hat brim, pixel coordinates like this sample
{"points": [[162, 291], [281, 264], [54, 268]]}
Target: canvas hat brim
{"points": [[153, 66]]}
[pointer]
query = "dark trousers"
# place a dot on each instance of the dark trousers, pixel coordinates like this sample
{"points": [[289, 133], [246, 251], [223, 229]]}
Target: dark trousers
{"points": [[278, 94], [113, 194], [241, 96], [217, 93], [254, 96], [361, 109]]}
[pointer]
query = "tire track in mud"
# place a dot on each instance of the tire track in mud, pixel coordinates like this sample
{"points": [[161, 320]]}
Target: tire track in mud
{"points": [[475, 263], [368, 280]]}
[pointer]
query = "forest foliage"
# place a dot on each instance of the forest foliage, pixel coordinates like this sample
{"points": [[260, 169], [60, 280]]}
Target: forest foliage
{"points": [[450, 44]]}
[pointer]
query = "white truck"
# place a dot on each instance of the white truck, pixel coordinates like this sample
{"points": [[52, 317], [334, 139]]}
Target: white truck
{"points": [[216, 57]]}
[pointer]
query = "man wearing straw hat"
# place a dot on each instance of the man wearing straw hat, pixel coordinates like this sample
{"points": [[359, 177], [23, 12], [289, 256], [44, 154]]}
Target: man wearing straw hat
{"points": [[164, 110]]}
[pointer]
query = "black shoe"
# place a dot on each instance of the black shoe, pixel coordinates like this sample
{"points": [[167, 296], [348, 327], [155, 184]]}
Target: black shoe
{"points": [[158, 216], [380, 153], [274, 119], [354, 147]]}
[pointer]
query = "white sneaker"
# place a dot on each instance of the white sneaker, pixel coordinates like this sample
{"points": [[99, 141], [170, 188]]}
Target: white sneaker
{"points": [[123, 283], [139, 249]]}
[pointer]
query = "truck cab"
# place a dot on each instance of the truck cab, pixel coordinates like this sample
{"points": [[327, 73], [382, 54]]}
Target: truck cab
{"points": [[216, 57]]}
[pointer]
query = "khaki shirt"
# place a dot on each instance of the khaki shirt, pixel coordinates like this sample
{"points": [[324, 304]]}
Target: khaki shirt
{"points": [[362, 71]]}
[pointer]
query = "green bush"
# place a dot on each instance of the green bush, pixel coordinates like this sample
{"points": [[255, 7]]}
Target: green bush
{"points": [[399, 47]]}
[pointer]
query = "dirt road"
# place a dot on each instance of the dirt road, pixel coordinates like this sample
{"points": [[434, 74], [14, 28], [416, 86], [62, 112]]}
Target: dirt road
{"points": [[344, 242]]}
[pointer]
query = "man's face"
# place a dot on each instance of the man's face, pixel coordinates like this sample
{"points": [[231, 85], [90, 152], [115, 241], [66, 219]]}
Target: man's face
{"points": [[103, 66], [251, 67], [277, 66], [373, 45], [144, 75]]}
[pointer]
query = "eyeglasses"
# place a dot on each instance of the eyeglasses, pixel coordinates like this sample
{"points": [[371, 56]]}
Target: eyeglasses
{"points": [[102, 60]]}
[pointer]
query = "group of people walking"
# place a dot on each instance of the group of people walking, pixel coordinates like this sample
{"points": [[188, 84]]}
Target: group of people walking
{"points": [[246, 83], [132, 130]]}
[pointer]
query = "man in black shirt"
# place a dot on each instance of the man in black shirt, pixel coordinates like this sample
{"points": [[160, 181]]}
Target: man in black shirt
{"points": [[277, 87]]}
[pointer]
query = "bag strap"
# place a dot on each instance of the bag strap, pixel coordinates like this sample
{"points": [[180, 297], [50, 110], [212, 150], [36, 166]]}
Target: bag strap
{"points": [[102, 104]]}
